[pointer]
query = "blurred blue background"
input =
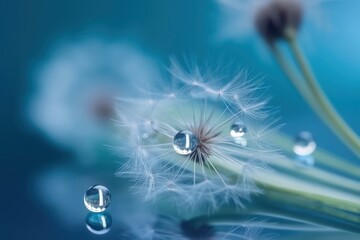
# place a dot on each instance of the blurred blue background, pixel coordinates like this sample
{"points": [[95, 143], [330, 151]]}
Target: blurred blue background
{"points": [[160, 28]]}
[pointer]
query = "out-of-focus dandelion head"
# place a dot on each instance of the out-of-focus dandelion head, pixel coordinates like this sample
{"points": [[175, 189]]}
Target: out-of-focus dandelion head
{"points": [[180, 148], [241, 18], [277, 16], [73, 90]]}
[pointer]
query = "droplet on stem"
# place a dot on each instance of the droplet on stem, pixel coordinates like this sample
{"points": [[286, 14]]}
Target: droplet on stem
{"points": [[304, 144]]}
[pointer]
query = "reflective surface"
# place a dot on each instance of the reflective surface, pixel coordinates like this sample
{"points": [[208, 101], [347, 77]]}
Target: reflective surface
{"points": [[99, 223]]}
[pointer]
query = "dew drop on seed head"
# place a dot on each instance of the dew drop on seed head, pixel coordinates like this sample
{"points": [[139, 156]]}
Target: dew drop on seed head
{"points": [[185, 142], [98, 223], [304, 144], [237, 130], [97, 198]]}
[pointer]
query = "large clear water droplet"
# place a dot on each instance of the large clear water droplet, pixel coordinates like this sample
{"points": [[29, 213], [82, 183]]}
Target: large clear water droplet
{"points": [[97, 198], [98, 223], [185, 142], [304, 144], [237, 130]]}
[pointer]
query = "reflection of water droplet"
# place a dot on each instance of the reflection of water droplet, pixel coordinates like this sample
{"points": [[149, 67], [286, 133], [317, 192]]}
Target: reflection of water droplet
{"points": [[98, 223], [238, 129], [241, 141], [185, 142], [197, 231], [305, 161], [237, 132], [304, 144], [97, 198]]}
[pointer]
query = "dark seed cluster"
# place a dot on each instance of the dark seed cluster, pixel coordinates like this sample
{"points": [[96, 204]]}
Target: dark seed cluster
{"points": [[278, 15]]}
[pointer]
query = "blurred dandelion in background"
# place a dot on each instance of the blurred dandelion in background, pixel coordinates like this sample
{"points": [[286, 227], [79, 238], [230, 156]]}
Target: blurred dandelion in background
{"points": [[239, 18], [74, 87]]}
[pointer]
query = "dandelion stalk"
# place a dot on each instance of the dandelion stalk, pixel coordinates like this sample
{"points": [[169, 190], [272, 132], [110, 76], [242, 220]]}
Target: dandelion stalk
{"points": [[342, 207], [320, 210], [334, 204], [313, 94], [256, 215], [280, 219], [280, 19]]}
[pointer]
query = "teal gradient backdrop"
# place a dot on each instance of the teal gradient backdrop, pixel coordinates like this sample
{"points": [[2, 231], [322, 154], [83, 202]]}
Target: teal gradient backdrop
{"points": [[162, 28]]}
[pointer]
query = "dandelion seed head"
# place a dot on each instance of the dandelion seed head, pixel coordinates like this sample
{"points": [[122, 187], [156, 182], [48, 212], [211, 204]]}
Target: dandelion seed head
{"points": [[190, 143]]}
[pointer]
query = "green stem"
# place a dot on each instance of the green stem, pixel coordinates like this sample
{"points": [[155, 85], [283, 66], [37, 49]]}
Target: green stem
{"points": [[328, 112], [342, 208], [252, 217]]}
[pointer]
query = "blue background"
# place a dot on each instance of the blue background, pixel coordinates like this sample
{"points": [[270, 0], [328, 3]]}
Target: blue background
{"points": [[163, 28]]}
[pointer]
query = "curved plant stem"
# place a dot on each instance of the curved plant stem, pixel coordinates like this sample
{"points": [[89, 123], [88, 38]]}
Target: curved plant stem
{"points": [[322, 106], [341, 207], [257, 217]]}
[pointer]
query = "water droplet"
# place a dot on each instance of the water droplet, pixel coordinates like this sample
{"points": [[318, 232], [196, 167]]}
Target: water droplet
{"points": [[185, 142], [97, 198], [304, 144], [98, 223], [237, 130]]}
